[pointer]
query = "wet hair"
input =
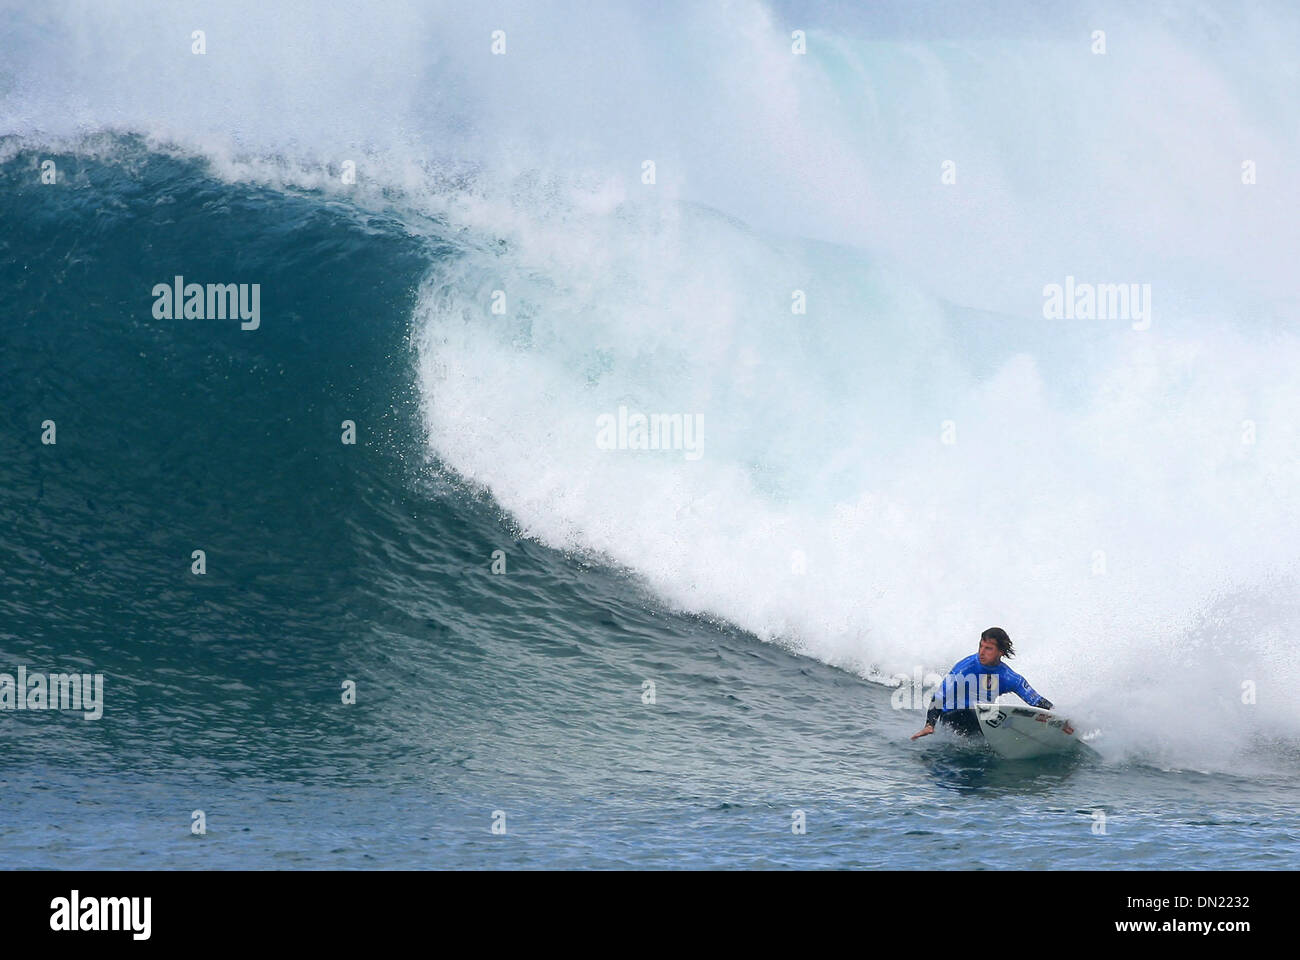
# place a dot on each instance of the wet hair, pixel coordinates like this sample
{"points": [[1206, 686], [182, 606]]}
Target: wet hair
{"points": [[999, 636]]}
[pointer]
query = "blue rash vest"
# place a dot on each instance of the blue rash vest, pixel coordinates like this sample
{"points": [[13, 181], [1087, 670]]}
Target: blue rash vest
{"points": [[969, 679]]}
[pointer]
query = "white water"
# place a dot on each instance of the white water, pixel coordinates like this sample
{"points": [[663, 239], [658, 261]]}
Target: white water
{"points": [[822, 432]]}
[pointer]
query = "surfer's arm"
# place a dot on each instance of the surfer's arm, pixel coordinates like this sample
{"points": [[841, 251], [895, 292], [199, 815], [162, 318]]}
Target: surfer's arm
{"points": [[931, 718], [1028, 694], [936, 705], [936, 701]]}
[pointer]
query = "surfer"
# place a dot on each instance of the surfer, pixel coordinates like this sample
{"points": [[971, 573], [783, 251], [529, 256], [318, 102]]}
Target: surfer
{"points": [[980, 677]]}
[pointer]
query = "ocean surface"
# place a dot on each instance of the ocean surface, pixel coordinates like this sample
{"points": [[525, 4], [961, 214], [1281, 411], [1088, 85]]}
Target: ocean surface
{"points": [[567, 654]]}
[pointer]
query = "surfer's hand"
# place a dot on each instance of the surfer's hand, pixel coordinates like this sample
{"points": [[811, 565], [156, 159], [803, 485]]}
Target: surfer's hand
{"points": [[924, 732]]}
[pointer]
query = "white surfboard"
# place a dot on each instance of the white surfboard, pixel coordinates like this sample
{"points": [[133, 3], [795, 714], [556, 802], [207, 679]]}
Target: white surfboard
{"points": [[1017, 731]]}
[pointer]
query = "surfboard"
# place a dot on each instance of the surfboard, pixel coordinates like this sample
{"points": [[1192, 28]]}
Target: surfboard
{"points": [[1016, 731]]}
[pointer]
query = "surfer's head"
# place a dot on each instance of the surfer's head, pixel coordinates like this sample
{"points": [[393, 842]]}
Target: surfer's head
{"points": [[994, 644]]}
